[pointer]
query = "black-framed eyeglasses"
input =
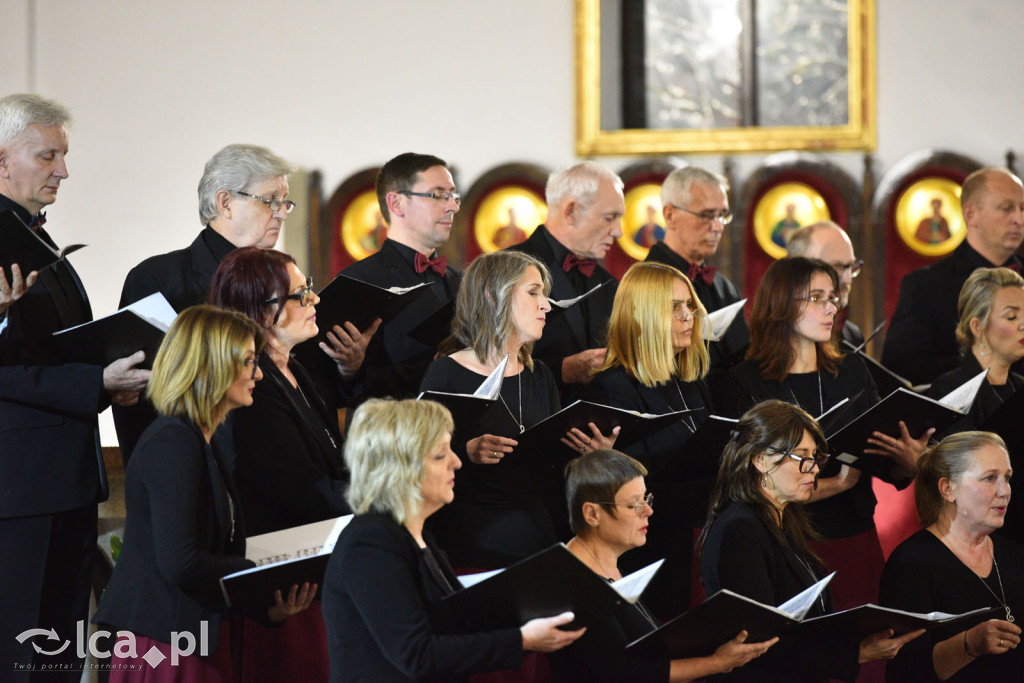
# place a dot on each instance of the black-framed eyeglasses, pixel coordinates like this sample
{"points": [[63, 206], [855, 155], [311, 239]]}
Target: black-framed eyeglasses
{"points": [[255, 363], [274, 204], [436, 195], [854, 267], [710, 215], [807, 465], [684, 310], [304, 296], [821, 300], [638, 506]]}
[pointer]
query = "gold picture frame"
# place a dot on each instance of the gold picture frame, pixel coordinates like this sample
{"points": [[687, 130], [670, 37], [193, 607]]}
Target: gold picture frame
{"points": [[643, 225], [783, 210], [859, 133]]}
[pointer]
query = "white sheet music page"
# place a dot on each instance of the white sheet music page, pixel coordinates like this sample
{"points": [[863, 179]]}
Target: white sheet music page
{"points": [[962, 398], [491, 387], [630, 587], [721, 319], [798, 605]]}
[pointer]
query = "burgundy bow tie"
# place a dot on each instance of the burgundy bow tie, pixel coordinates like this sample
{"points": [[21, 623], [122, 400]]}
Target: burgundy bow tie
{"points": [[37, 222], [1015, 267], [706, 273], [586, 266], [439, 265]]}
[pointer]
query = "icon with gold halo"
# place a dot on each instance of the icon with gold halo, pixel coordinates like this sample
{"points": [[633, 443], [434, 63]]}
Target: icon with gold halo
{"points": [[363, 228], [508, 216], [783, 210], [928, 216], [642, 225]]}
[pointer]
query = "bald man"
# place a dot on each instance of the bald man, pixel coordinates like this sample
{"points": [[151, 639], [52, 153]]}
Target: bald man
{"points": [[921, 341], [828, 242]]}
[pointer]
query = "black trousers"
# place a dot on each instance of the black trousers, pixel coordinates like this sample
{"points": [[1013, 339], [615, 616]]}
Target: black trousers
{"points": [[46, 564]]}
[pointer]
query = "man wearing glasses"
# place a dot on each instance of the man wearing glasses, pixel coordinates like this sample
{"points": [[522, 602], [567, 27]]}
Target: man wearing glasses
{"points": [[830, 243], [243, 203], [417, 198], [696, 211]]}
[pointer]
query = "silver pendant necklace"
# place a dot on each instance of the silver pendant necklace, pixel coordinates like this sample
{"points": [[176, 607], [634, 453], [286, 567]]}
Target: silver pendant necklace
{"points": [[519, 378], [995, 565], [821, 396], [692, 424]]}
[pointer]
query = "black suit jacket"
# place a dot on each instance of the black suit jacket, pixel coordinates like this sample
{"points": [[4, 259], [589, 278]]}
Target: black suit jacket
{"points": [[395, 362], [49, 442], [741, 554], [184, 278], [851, 334], [288, 465], [386, 621], [719, 294], [181, 536], [921, 342], [582, 327]]}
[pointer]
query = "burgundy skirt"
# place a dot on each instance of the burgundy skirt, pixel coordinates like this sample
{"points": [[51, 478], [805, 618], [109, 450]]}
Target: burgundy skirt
{"points": [[149, 667]]}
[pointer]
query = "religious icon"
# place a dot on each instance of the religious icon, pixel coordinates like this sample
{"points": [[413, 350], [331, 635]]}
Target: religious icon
{"points": [[642, 226], [782, 210], [928, 217], [509, 234], [507, 216], [363, 228]]}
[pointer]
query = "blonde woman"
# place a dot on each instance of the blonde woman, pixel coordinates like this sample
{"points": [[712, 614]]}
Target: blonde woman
{"points": [[386, 580], [657, 363]]}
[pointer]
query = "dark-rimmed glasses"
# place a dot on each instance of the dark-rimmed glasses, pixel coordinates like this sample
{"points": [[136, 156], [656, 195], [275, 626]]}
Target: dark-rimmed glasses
{"points": [[437, 195], [807, 465], [304, 296], [274, 204], [638, 506], [255, 363], [710, 215]]}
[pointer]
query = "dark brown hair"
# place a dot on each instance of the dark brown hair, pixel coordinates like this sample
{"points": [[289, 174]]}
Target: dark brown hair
{"points": [[247, 277], [596, 477], [777, 306], [400, 174]]}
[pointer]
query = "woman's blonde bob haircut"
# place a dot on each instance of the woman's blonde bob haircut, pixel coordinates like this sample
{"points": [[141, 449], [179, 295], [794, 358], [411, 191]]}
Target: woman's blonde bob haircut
{"points": [[386, 446], [976, 300], [200, 357], [640, 328], [483, 309]]}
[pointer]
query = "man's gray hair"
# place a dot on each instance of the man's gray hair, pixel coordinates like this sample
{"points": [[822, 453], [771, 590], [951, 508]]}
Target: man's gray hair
{"points": [[580, 182], [19, 111], [676, 189], [236, 168]]}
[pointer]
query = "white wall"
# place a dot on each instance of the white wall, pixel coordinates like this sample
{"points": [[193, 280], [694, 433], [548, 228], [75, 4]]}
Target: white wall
{"points": [[157, 87]]}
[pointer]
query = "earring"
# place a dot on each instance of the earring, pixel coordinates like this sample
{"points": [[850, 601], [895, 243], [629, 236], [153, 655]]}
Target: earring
{"points": [[983, 348], [767, 482], [593, 523]]}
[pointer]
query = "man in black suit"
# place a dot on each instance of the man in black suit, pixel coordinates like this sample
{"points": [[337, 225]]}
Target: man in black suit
{"points": [[51, 470], [828, 242], [417, 198], [921, 342], [585, 209], [243, 203], [696, 210]]}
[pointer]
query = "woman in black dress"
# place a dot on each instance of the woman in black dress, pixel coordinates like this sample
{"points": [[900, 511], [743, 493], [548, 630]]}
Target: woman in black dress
{"points": [[956, 564], [657, 363], [793, 358], [386, 579], [288, 461], [757, 541], [500, 515], [610, 511]]}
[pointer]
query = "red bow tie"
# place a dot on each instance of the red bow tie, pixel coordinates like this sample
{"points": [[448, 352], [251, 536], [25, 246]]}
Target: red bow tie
{"points": [[706, 273], [586, 266], [439, 265], [1015, 267], [37, 222]]}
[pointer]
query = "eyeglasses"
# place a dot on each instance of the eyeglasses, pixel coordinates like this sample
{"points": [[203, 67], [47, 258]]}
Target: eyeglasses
{"points": [[255, 363], [303, 297], [806, 464], [274, 204], [819, 300], [684, 310], [437, 195], [638, 507], [710, 215], [854, 267]]}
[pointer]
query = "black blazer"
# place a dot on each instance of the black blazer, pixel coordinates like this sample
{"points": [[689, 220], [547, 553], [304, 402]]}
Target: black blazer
{"points": [[921, 341], [288, 463], [850, 512], [385, 618], [719, 294], [568, 334], [741, 554], [984, 405], [184, 278], [182, 534], [395, 362], [49, 443]]}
